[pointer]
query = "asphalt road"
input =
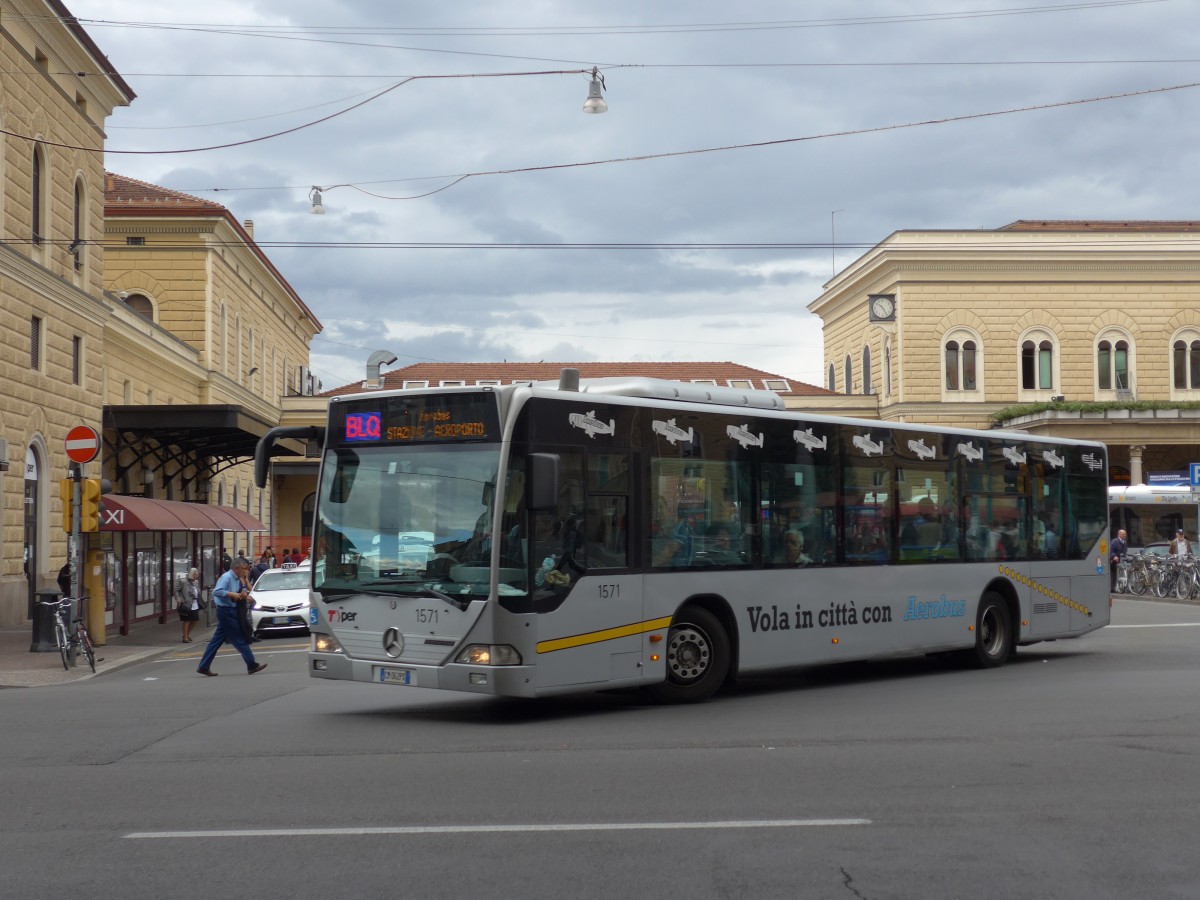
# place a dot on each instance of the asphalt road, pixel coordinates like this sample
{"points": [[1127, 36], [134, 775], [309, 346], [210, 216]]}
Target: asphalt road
{"points": [[1070, 773]]}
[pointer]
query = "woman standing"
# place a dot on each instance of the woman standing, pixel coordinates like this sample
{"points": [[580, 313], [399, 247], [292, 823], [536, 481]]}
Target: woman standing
{"points": [[187, 600]]}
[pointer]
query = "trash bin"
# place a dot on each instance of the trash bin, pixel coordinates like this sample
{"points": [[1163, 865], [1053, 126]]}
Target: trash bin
{"points": [[43, 622]]}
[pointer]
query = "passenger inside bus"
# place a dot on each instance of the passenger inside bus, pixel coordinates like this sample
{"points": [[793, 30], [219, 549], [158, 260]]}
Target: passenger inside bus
{"points": [[675, 548], [719, 549], [791, 553]]}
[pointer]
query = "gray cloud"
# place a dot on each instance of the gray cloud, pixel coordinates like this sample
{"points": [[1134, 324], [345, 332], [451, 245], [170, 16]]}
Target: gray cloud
{"points": [[1120, 159]]}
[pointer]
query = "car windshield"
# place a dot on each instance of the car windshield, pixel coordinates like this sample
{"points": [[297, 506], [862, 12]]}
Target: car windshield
{"points": [[297, 579], [410, 520]]}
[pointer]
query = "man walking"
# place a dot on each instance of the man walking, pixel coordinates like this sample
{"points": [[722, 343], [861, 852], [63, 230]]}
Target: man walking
{"points": [[226, 593], [1117, 551]]}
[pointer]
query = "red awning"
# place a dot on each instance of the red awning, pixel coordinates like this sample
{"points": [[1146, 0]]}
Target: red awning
{"points": [[123, 513]]}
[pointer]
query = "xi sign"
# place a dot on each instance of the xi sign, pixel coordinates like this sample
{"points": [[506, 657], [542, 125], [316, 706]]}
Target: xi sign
{"points": [[83, 444]]}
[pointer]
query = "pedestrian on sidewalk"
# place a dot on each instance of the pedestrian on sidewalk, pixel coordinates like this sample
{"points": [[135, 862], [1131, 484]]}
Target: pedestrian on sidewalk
{"points": [[226, 594], [1117, 551], [187, 601]]}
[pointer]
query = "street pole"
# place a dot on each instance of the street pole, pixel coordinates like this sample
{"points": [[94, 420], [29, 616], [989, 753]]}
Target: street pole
{"points": [[76, 525]]}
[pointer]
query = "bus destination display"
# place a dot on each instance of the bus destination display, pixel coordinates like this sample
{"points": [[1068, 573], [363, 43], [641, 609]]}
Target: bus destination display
{"points": [[425, 419]]}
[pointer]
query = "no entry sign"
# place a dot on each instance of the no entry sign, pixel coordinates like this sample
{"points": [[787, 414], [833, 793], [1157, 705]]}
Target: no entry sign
{"points": [[83, 444]]}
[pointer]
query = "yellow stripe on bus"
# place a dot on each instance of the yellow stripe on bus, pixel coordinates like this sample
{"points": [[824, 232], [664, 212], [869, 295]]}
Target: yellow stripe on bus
{"points": [[608, 634]]}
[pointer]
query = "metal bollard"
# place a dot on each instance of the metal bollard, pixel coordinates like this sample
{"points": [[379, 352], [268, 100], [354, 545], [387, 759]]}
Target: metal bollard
{"points": [[43, 622]]}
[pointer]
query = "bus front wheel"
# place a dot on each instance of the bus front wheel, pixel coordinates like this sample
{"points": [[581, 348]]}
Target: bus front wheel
{"points": [[993, 633], [697, 657]]}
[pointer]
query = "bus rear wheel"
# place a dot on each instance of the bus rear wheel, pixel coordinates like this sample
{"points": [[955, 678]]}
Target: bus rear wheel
{"points": [[993, 633], [697, 656]]}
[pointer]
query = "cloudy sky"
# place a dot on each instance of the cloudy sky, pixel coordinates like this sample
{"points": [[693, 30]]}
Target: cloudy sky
{"points": [[566, 243]]}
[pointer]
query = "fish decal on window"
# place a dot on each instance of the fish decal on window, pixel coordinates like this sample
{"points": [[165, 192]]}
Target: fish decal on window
{"points": [[744, 436], [1053, 459], [590, 425], [970, 451], [672, 432], [809, 440], [869, 447], [1014, 456], [922, 451]]}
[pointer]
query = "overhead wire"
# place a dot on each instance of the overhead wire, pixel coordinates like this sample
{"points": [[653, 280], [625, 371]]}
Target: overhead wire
{"points": [[277, 134], [607, 30], [776, 142], [300, 32]]}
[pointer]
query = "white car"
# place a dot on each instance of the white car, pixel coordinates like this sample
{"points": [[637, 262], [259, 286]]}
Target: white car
{"points": [[280, 599]]}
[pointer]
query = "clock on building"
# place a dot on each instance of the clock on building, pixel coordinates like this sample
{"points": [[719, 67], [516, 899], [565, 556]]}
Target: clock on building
{"points": [[882, 307]]}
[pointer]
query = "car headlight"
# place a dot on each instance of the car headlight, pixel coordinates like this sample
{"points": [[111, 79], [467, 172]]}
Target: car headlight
{"points": [[490, 655], [326, 643]]}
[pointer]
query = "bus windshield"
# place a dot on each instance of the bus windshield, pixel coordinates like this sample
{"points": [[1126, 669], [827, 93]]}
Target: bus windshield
{"points": [[409, 520]]}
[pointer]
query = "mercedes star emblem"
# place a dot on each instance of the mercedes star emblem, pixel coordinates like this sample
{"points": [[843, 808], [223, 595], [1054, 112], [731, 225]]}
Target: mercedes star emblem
{"points": [[393, 643]]}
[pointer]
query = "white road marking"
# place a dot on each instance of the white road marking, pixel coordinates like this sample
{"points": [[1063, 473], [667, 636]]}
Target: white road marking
{"points": [[1162, 625], [497, 829]]}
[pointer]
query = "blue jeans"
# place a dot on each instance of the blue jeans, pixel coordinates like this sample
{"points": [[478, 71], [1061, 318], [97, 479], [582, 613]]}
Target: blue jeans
{"points": [[229, 629]]}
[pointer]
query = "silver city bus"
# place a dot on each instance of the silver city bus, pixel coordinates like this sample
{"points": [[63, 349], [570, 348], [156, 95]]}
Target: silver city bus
{"points": [[539, 539]]}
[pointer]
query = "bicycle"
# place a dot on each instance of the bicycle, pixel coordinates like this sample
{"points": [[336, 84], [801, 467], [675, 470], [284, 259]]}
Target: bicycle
{"points": [[1137, 569], [1168, 575], [1188, 583], [71, 641], [1121, 581]]}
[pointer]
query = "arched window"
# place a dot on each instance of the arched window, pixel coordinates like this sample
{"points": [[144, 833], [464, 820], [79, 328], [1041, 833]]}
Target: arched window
{"points": [[77, 227], [832, 378], [1113, 363], [887, 369], [141, 305], [38, 198], [1185, 362], [961, 362], [849, 367], [866, 370], [1037, 365]]}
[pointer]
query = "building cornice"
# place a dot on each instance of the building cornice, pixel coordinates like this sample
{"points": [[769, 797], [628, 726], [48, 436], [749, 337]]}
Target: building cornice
{"points": [[39, 280]]}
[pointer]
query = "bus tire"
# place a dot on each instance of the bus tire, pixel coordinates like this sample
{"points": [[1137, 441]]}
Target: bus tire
{"points": [[697, 656], [993, 633]]}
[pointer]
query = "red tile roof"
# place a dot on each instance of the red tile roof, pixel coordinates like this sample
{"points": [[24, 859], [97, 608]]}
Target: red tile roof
{"points": [[125, 191], [508, 372], [126, 197]]}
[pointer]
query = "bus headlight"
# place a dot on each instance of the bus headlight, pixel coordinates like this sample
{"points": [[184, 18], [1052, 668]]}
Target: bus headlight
{"points": [[490, 655], [325, 643]]}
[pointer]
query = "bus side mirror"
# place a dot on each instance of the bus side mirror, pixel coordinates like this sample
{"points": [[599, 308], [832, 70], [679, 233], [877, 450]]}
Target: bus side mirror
{"points": [[543, 481]]}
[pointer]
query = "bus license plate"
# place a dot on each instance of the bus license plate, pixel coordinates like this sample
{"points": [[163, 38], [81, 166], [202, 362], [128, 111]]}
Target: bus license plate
{"points": [[395, 676]]}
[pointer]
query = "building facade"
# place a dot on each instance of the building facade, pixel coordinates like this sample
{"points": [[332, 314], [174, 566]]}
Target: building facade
{"points": [[150, 316], [1084, 329], [53, 315]]}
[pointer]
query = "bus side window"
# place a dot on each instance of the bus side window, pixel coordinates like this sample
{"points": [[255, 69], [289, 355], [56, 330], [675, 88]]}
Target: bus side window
{"points": [[607, 532], [559, 548]]}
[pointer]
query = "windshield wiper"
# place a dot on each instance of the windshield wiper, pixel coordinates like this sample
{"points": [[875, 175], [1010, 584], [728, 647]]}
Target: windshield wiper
{"points": [[412, 585], [397, 578]]}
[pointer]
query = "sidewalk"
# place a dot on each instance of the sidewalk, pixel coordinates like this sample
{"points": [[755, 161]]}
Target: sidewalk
{"points": [[21, 668]]}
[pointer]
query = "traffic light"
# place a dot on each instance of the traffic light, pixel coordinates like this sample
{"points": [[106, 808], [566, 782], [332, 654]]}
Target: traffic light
{"points": [[66, 490], [90, 504]]}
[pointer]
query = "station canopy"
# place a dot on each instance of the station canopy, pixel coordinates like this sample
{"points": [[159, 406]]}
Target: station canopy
{"points": [[122, 513]]}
